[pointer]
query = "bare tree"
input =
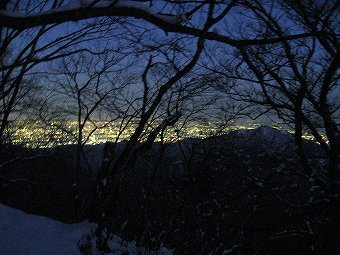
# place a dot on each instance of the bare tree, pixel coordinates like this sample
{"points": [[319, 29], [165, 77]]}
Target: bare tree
{"points": [[108, 190], [168, 15], [23, 50], [297, 80], [89, 85]]}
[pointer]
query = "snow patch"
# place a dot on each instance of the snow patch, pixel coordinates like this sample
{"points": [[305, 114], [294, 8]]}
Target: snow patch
{"points": [[26, 234]]}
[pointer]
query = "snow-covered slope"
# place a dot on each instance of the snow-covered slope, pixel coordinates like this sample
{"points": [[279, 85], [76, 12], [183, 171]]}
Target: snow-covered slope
{"points": [[25, 234], [21, 233]]}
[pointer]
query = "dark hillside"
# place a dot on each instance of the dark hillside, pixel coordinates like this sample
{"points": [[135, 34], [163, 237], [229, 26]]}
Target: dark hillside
{"points": [[243, 191]]}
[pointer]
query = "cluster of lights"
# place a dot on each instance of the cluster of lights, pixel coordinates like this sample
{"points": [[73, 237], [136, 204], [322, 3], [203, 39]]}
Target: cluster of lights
{"points": [[37, 134]]}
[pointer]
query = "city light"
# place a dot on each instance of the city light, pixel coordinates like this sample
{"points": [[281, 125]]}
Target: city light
{"points": [[38, 134]]}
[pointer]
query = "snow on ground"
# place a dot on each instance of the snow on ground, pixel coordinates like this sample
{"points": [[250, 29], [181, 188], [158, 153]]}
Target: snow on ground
{"points": [[26, 234]]}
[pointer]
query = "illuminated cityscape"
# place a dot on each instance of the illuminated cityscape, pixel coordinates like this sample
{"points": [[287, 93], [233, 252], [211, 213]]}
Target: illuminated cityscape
{"points": [[38, 134]]}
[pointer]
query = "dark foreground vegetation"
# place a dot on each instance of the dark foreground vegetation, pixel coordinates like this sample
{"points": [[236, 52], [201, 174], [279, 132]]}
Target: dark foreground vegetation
{"points": [[243, 192]]}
